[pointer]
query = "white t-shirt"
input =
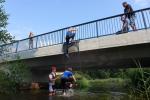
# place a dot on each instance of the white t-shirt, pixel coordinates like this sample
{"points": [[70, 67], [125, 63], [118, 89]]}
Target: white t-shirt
{"points": [[51, 75]]}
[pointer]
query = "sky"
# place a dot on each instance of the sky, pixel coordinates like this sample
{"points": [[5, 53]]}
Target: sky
{"points": [[41, 16]]}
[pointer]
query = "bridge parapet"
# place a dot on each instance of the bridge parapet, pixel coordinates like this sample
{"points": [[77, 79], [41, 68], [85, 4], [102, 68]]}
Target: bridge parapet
{"points": [[112, 41], [93, 29]]}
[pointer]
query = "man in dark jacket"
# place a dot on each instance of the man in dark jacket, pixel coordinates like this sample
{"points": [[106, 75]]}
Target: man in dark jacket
{"points": [[70, 38], [129, 13]]}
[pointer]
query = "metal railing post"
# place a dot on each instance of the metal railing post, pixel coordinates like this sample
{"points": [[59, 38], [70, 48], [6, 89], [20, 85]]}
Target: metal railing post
{"points": [[17, 46], [36, 42], [144, 20], [97, 28], [62, 35], [1, 50]]}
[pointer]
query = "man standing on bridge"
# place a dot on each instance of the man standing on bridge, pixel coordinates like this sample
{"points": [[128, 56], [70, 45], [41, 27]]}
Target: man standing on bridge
{"points": [[129, 13], [30, 40]]}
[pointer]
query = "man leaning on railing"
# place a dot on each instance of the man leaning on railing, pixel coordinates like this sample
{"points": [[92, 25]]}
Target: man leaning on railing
{"points": [[129, 14]]}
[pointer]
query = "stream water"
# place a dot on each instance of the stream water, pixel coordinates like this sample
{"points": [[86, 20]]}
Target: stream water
{"points": [[43, 95]]}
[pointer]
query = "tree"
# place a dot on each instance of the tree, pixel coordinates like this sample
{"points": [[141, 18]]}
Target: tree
{"points": [[5, 37]]}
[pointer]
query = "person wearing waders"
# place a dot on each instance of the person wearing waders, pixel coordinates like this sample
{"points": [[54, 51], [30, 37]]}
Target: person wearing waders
{"points": [[67, 77], [52, 78]]}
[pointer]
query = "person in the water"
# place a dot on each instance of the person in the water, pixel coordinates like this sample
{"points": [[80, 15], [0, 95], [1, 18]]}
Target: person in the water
{"points": [[67, 77]]}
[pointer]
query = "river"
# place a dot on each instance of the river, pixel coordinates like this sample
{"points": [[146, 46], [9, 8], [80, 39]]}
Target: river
{"points": [[43, 95]]}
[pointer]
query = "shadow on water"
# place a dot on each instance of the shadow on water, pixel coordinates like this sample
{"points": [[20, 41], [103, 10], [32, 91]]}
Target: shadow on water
{"points": [[43, 95]]}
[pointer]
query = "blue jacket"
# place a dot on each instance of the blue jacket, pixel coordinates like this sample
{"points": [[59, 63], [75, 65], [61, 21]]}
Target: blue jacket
{"points": [[67, 74]]}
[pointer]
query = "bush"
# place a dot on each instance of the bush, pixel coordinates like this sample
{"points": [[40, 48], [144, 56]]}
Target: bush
{"points": [[19, 73], [83, 83], [111, 84], [118, 73], [13, 76], [4, 83], [80, 74], [82, 80], [98, 74], [103, 74]]}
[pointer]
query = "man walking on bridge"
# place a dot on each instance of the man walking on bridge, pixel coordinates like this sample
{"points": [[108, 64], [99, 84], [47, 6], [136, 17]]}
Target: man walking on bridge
{"points": [[129, 13]]}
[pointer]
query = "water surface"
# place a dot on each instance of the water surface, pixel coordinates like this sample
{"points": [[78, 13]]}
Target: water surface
{"points": [[43, 95]]}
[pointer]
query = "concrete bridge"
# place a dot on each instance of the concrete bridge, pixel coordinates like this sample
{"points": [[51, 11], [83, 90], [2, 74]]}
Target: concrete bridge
{"points": [[99, 47]]}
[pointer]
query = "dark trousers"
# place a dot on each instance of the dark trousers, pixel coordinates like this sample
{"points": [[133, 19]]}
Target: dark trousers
{"points": [[67, 42], [64, 83]]}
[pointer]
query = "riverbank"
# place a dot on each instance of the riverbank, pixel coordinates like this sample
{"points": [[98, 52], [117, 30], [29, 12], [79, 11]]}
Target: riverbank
{"points": [[134, 81], [104, 85], [111, 84]]}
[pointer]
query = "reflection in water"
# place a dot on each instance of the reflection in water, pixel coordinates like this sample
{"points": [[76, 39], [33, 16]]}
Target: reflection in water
{"points": [[42, 95]]}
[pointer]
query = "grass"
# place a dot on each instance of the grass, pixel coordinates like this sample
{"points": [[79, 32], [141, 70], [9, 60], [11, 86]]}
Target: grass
{"points": [[110, 84]]}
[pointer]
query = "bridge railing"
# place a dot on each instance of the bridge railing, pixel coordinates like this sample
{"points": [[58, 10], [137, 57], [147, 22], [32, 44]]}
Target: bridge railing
{"points": [[92, 29]]}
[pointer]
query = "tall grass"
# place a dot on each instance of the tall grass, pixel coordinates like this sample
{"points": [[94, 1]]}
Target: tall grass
{"points": [[140, 80], [82, 80], [107, 85], [134, 80]]}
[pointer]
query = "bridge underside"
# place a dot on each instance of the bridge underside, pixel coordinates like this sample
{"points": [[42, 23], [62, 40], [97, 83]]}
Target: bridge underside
{"points": [[107, 58], [119, 57]]}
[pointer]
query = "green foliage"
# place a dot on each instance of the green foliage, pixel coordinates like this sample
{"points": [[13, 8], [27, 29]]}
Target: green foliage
{"points": [[118, 73], [16, 75], [110, 84], [97, 74], [79, 75], [4, 36], [140, 81], [136, 80], [83, 83], [103, 74], [5, 85], [82, 80], [19, 73]]}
